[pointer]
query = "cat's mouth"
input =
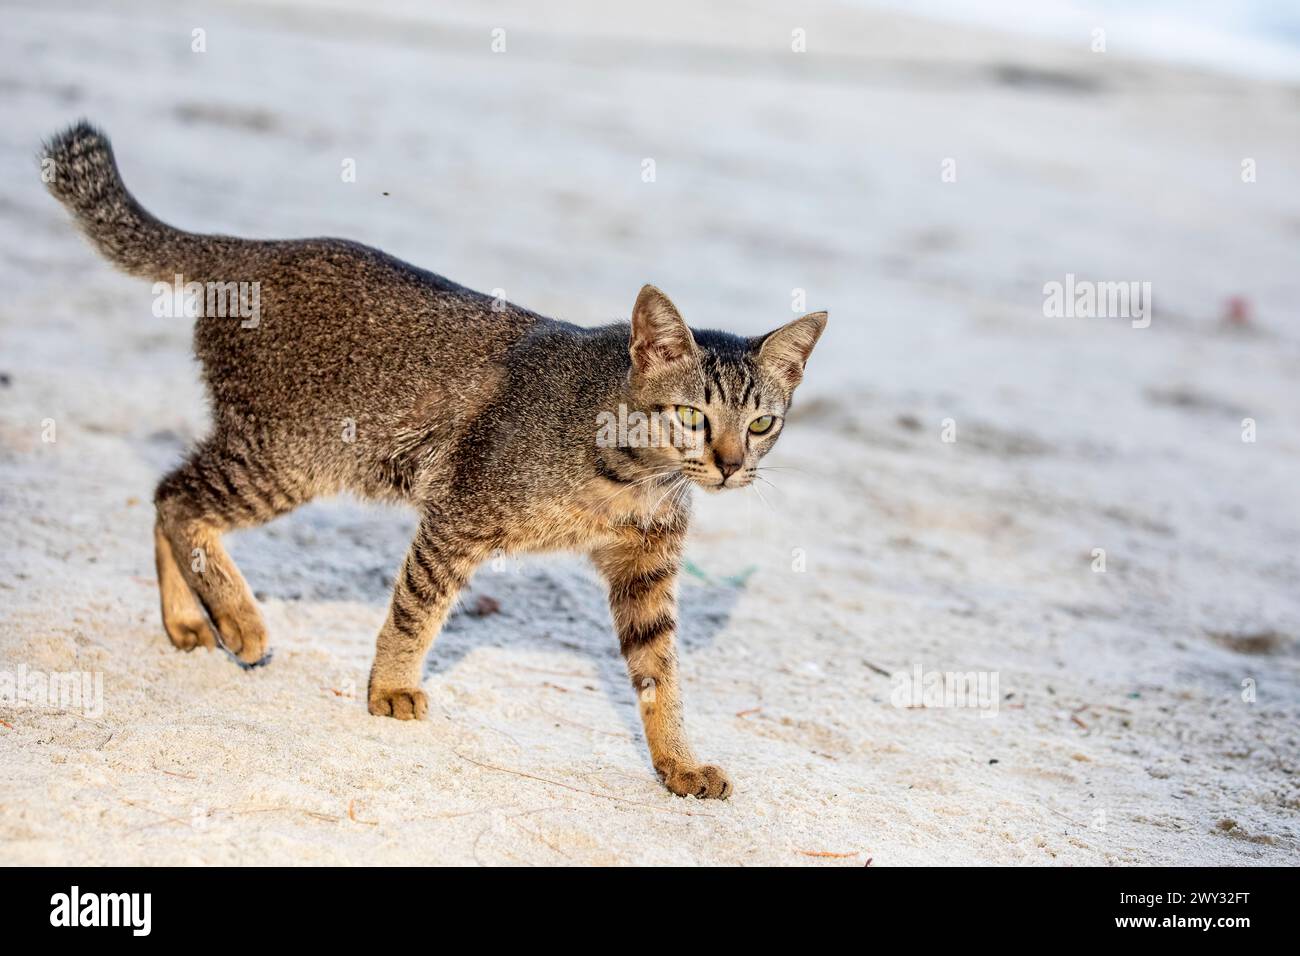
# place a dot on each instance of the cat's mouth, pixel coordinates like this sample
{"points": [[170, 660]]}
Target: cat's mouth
{"points": [[720, 484], [711, 479]]}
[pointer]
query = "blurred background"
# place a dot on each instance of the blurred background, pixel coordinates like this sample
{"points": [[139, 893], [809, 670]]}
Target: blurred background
{"points": [[919, 170]]}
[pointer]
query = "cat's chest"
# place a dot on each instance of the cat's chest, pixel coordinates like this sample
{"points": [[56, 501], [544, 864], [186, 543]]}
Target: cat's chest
{"points": [[608, 504], [598, 513]]}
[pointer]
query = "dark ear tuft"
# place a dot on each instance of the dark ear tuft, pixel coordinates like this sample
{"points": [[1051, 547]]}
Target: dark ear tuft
{"points": [[660, 337], [784, 353]]}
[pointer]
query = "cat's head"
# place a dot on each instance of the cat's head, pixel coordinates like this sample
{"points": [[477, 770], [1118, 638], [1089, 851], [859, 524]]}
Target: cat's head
{"points": [[724, 397]]}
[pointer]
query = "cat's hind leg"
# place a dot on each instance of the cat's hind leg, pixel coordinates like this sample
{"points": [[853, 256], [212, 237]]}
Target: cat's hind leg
{"points": [[183, 618], [224, 485]]}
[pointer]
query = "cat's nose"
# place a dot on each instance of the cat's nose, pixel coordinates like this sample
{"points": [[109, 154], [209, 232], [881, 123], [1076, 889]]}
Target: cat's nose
{"points": [[729, 466]]}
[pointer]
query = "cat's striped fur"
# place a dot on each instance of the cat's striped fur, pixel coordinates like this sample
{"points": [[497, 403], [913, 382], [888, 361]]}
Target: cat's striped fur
{"points": [[368, 375]]}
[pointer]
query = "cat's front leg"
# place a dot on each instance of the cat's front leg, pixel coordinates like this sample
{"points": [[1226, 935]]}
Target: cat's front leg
{"points": [[641, 572], [436, 567]]}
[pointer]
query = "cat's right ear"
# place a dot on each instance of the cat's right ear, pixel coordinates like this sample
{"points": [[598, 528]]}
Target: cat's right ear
{"points": [[785, 352], [660, 338]]}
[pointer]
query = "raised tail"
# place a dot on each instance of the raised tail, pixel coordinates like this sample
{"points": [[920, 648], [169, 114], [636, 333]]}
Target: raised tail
{"points": [[79, 170]]}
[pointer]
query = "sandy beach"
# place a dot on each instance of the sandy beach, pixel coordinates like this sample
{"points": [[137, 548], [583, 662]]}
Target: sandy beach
{"points": [[955, 462]]}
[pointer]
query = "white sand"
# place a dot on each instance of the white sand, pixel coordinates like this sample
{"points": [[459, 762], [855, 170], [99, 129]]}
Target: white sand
{"points": [[1121, 736]]}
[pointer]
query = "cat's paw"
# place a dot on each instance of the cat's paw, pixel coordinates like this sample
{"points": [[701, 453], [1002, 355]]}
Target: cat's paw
{"points": [[187, 631], [404, 703], [701, 780], [244, 636]]}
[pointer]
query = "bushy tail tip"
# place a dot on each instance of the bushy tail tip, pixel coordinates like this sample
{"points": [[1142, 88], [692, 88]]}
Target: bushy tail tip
{"points": [[79, 170]]}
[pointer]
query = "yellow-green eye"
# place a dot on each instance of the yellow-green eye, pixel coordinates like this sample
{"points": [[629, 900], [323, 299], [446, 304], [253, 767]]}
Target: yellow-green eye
{"points": [[691, 417], [760, 425]]}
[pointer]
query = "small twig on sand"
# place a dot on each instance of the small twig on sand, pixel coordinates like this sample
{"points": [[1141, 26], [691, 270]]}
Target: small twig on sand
{"points": [[547, 670], [352, 814], [311, 813], [1064, 816], [594, 730], [556, 783], [535, 833], [746, 713], [166, 817], [827, 854]]}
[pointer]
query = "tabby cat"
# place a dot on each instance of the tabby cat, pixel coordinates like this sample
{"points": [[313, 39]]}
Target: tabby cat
{"points": [[362, 373]]}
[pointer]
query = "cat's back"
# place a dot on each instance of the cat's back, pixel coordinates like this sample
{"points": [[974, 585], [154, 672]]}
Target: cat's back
{"points": [[336, 323]]}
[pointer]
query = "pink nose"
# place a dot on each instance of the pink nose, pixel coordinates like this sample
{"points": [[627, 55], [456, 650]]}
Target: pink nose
{"points": [[728, 466]]}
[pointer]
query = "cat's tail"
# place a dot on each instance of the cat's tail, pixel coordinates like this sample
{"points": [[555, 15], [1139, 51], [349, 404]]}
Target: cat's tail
{"points": [[78, 168]]}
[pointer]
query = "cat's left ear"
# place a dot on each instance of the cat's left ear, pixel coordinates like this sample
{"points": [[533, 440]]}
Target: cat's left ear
{"points": [[660, 337], [785, 352]]}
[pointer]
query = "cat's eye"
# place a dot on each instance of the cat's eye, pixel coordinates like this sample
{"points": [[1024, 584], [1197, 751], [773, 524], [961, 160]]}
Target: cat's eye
{"points": [[763, 424], [691, 417]]}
